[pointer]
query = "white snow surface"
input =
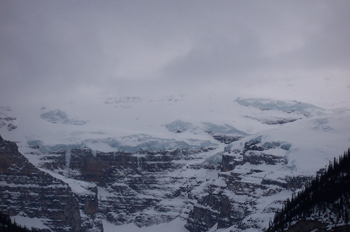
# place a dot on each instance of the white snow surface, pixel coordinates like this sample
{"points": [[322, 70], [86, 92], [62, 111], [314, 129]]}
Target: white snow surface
{"points": [[131, 123], [314, 141], [28, 222], [77, 186], [177, 225]]}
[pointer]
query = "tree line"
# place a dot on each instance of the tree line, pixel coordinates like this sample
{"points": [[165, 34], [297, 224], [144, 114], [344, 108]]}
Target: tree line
{"points": [[325, 197], [7, 225]]}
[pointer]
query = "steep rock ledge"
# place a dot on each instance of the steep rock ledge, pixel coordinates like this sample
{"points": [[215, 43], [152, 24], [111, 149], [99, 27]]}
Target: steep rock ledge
{"points": [[132, 187], [26, 190], [249, 178]]}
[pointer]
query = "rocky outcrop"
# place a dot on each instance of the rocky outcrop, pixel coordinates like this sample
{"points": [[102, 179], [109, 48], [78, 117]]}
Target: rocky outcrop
{"points": [[262, 158], [248, 177], [7, 121], [256, 144], [293, 183], [103, 168], [201, 219], [253, 153], [211, 209], [274, 120], [229, 162], [89, 209], [26, 190], [129, 183], [226, 139], [140, 187]]}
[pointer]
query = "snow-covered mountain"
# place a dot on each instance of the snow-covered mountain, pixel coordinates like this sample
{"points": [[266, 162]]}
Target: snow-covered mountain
{"points": [[184, 163]]}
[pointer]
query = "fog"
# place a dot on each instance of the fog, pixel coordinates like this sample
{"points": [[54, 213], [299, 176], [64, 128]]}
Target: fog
{"points": [[68, 51]]}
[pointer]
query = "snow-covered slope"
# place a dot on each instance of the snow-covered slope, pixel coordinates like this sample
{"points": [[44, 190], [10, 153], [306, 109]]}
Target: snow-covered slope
{"points": [[175, 161]]}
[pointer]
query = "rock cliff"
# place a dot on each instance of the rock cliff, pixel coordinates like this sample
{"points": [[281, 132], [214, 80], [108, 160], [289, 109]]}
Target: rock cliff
{"points": [[27, 191]]}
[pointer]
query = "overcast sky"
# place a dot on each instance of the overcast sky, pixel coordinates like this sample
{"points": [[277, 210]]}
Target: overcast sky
{"points": [[292, 49]]}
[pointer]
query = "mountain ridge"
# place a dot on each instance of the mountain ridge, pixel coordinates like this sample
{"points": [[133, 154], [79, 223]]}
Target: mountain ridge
{"points": [[236, 177]]}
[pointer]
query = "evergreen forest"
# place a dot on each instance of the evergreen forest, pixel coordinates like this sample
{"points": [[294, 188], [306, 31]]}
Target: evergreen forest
{"points": [[325, 198], [6, 225]]}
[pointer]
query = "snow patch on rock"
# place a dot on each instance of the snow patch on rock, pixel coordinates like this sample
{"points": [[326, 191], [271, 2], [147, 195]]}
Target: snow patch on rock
{"points": [[285, 106], [58, 116]]}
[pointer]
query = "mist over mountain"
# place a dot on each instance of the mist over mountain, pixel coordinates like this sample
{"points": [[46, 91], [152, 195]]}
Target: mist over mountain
{"points": [[168, 115], [187, 174]]}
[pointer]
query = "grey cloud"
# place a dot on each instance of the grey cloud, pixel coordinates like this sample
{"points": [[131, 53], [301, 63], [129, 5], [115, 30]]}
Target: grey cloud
{"points": [[270, 38], [226, 57], [328, 48], [42, 48], [64, 45]]}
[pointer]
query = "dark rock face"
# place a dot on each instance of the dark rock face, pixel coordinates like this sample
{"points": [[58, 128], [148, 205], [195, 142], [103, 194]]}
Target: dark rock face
{"points": [[233, 202], [201, 219], [26, 189], [253, 153], [104, 168], [226, 139], [228, 163], [278, 121], [274, 120], [256, 159], [7, 121], [289, 182], [124, 187], [256, 145], [129, 183], [11, 127], [253, 144], [217, 209], [211, 209]]}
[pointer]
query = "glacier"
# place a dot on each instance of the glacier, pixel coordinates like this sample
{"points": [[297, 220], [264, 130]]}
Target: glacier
{"points": [[285, 106], [152, 165], [58, 116]]}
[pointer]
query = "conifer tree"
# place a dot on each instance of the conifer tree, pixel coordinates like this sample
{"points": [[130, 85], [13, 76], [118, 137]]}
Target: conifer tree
{"points": [[329, 190]]}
